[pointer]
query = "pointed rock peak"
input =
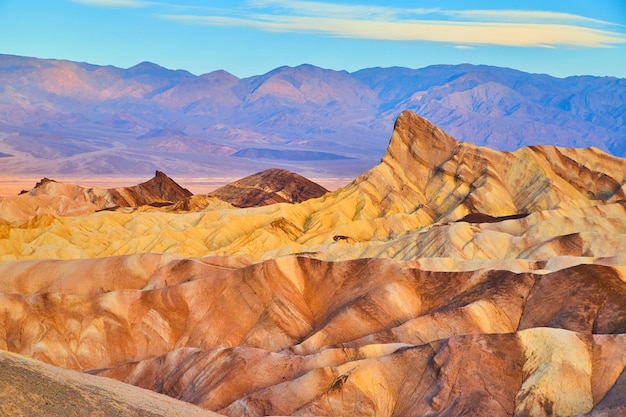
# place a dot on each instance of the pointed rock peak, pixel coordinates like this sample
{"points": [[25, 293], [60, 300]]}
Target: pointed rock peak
{"points": [[159, 188], [166, 186], [415, 137], [43, 182]]}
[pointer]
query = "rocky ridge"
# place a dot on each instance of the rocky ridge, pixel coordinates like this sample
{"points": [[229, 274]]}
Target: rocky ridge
{"points": [[161, 193], [65, 393], [56, 198]]}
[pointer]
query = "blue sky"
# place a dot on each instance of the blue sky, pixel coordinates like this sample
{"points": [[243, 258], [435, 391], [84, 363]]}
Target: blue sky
{"points": [[251, 37]]}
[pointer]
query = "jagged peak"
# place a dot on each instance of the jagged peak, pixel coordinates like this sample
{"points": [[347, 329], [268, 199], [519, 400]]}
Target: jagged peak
{"points": [[44, 181], [415, 137], [161, 184], [427, 172]]}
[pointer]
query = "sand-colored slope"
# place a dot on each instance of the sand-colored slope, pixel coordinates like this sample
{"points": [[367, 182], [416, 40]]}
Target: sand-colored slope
{"points": [[426, 177], [32, 388], [300, 304]]}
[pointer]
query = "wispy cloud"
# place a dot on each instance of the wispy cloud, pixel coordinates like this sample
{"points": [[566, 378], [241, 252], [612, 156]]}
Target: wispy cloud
{"points": [[528, 28], [114, 3], [483, 33], [390, 13], [524, 16]]}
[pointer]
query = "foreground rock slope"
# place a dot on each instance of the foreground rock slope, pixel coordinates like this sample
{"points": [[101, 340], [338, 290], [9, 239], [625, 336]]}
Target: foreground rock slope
{"points": [[31, 388], [449, 280]]}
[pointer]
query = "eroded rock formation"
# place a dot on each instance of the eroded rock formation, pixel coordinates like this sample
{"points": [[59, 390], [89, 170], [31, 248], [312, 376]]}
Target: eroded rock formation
{"points": [[449, 280], [425, 179]]}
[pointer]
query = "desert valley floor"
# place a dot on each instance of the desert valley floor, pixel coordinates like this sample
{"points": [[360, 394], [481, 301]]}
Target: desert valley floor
{"points": [[448, 280]]}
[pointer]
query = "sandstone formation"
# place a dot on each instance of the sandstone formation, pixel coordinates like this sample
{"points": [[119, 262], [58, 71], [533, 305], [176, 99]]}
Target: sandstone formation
{"points": [[158, 189], [269, 187], [449, 280]]}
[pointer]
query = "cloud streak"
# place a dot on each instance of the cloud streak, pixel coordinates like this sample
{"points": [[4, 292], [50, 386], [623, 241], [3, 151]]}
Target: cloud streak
{"points": [[524, 28], [369, 25], [323, 9]]}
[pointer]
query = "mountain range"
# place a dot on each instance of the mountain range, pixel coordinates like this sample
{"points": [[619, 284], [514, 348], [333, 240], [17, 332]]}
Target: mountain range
{"points": [[68, 118]]}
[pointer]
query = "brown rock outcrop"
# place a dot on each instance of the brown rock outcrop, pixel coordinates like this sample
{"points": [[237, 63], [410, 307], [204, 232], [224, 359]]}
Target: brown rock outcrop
{"points": [[160, 188], [318, 338], [269, 187]]}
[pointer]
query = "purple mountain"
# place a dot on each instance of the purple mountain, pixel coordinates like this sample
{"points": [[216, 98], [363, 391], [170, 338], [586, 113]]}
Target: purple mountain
{"points": [[62, 117]]}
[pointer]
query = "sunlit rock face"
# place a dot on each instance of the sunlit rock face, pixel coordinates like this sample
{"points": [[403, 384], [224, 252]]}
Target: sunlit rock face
{"points": [[449, 280], [160, 188]]}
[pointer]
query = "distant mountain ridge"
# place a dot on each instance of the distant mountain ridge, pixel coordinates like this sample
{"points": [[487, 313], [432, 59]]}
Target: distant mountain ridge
{"points": [[63, 117]]}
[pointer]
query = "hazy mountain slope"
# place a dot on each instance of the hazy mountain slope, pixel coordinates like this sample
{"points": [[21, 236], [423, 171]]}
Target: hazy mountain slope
{"points": [[72, 118], [506, 108]]}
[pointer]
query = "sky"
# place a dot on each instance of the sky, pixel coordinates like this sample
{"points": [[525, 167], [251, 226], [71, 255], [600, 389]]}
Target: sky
{"points": [[252, 37]]}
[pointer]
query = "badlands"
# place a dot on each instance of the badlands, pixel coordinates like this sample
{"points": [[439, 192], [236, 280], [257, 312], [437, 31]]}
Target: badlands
{"points": [[449, 280]]}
